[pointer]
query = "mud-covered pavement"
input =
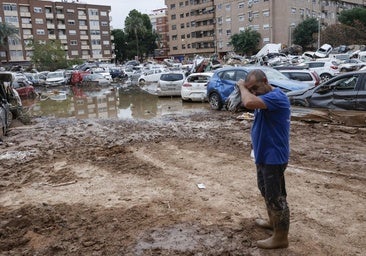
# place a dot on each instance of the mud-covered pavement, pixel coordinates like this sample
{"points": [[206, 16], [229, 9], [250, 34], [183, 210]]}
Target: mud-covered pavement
{"points": [[131, 187]]}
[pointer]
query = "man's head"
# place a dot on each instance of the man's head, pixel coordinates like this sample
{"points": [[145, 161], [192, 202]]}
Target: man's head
{"points": [[256, 82]]}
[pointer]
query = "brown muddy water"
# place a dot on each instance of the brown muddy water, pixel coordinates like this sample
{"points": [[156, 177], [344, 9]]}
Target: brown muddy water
{"points": [[130, 101], [118, 101]]}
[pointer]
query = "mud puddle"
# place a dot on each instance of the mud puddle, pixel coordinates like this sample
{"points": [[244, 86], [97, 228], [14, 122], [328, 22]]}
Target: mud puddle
{"points": [[120, 102]]}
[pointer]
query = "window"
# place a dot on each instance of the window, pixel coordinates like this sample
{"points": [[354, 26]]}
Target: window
{"points": [[265, 26], [39, 21], [173, 17], [228, 19], [82, 22], [74, 53], [105, 42], [293, 10], [241, 5], [103, 13], [104, 23], [93, 12], [9, 7], [26, 21], [73, 42], [241, 17], [72, 32], [94, 23], [11, 19], [228, 32], [81, 12], [174, 27], [265, 13], [95, 42], [40, 32], [37, 9], [71, 22], [227, 7], [94, 32], [172, 6]]}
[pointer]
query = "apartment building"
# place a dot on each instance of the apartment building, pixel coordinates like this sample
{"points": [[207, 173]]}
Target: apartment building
{"points": [[191, 28], [205, 26], [159, 22], [83, 29]]}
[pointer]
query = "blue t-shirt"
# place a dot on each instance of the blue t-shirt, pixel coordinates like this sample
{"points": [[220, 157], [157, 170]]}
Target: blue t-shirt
{"points": [[271, 129]]}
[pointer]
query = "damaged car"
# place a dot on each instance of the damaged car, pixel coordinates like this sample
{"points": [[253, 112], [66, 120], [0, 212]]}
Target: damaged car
{"points": [[343, 92]]}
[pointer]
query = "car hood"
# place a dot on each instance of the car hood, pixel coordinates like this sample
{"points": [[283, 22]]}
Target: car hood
{"points": [[300, 92], [289, 85]]}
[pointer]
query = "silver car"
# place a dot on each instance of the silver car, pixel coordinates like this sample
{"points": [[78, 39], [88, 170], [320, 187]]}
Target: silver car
{"points": [[170, 84]]}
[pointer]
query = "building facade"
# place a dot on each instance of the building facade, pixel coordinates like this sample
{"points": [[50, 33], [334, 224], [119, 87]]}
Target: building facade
{"points": [[159, 22], [83, 29], [205, 26]]}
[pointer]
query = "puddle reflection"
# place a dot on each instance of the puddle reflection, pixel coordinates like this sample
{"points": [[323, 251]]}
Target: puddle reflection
{"points": [[117, 102]]}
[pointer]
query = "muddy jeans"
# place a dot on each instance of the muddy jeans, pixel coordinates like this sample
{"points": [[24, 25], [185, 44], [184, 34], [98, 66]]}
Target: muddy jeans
{"points": [[271, 183]]}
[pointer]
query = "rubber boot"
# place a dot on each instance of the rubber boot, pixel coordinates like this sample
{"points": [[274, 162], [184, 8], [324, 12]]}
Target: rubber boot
{"points": [[265, 223], [281, 224]]}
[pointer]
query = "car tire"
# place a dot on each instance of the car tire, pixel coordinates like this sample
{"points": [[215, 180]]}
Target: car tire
{"points": [[343, 70], [142, 82], [215, 101], [325, 77]]}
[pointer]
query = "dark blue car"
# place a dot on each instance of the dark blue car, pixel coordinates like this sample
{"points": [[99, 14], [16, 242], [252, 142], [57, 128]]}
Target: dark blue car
{"points": [[223, 81]]}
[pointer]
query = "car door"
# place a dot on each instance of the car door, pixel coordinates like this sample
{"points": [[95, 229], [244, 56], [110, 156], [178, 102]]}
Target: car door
{"points": [[345, 92], [361, 93], [227, 83]]}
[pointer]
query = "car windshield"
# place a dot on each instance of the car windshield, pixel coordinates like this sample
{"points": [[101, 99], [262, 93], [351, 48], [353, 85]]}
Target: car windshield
{"points": [[171, 77], [56, 74], [273, 74]]}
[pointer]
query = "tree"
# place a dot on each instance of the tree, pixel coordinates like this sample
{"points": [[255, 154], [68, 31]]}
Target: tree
{"points": [[341, 34], [134, 24], [49, 56], [353, 17], [6, 31], [139, 35], [120, 42], [303, 32], [246, 42]]}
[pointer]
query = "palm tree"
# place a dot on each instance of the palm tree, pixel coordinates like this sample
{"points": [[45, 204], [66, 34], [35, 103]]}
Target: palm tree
{"points": [[134, 25], [7, 30]]}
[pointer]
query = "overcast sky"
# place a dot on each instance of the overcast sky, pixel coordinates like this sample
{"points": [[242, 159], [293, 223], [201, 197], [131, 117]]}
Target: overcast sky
{"points": [[121, 8]]}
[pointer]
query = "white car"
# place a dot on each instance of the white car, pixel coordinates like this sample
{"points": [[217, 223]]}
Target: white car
{"points": [[351, 65], [104, 72], [56, 78], [303, 75], [323, 51], [326, 69], [170, 84], [195, 87], [151, 76]]}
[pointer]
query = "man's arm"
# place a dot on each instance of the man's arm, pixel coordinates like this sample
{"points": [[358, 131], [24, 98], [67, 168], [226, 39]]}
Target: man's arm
{"points": [[249, 100]]}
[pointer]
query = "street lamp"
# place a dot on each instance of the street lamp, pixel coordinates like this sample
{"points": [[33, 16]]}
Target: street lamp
{"points": [[318, 32]]}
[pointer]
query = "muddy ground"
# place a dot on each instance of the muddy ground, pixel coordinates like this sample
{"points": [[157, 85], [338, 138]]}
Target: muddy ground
{"points": [[132, 187]]}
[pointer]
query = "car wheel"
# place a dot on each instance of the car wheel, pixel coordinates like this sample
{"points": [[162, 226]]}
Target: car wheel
{"points": [[215, 101], [142, 82], [325, 77], [343, 70]]}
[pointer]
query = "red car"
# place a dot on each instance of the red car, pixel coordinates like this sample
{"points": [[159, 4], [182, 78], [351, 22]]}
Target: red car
{"points": [[24, 89]]}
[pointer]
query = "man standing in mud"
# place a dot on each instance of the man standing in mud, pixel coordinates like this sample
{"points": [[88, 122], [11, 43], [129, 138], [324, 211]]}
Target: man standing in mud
{"points": [[270, 135]]}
